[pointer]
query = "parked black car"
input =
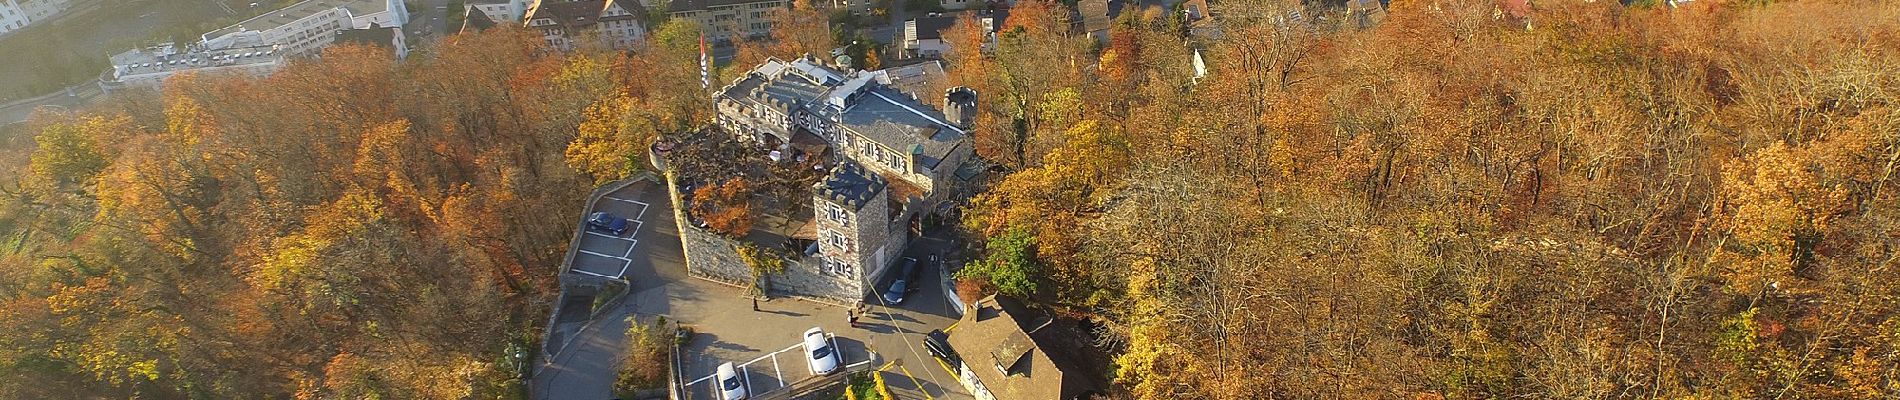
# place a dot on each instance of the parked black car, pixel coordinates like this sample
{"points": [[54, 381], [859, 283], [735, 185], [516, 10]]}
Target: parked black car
{"points": [[906, 280], [608, 223]]}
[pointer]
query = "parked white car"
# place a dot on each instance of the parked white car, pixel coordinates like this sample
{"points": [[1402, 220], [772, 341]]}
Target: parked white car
{"points": [[822, 357], [730, 384]]}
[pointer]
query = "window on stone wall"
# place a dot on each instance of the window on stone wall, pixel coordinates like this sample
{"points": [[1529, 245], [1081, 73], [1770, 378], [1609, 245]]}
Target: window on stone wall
{"points": [[837, 214]]}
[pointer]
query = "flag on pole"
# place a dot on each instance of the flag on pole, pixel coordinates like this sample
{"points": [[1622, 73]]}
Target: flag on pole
{"points": [[705, 65]]}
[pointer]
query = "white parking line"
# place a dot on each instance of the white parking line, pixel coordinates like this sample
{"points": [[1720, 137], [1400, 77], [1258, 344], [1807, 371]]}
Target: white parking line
{"points": [[630, 246], [623, 271], [747, 373], [643, 206], [607, 236], [604, 255], [776, 373], [697, 381]]}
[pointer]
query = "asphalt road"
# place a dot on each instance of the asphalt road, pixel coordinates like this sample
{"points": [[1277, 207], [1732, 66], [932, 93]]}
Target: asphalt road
{"points": [[428, 21], [71, 99]]}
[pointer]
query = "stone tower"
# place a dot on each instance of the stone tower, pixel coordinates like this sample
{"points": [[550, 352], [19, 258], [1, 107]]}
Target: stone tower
{"points": [[854, 227], [959, 106]]}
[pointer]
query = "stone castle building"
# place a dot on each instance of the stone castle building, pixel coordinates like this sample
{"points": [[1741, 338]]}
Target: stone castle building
{"points": [[898, 159]]}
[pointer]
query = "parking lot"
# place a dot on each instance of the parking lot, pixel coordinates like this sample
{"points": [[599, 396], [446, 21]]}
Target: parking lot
{"points": [[607, 255], [765, 373]]}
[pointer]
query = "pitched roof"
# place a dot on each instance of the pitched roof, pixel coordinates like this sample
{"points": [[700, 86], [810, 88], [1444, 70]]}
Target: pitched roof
{"points": [[570, 14], [477, 21], [933, 27], [695, 5], [1095, 14], [996, 348]]}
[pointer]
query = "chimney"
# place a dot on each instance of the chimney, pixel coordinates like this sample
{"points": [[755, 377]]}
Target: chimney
{"points": [[917, 158]]}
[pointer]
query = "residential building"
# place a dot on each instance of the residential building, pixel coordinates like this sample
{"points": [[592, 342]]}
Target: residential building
{"points": [[1005, 351], [513, 11], [476, 22], [17, 14], [305, 28], [1095, 16], [721, 19], [150, 67], [390, 38], [923, 37], [564, 23], [1362, 14]]}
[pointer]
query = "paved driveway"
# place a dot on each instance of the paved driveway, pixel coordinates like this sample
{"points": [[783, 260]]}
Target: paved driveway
{"points": [[586, 367]]}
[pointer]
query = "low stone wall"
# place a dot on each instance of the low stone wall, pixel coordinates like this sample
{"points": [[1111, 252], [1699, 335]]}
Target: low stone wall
{"points": [[714, 257]]}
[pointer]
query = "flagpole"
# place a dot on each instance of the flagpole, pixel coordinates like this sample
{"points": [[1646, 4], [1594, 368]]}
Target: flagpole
{"points": [[705, 64]]}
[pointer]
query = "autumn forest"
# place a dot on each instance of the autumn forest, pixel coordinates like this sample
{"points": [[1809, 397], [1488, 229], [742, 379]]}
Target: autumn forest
{"points": [[1580, 200]]}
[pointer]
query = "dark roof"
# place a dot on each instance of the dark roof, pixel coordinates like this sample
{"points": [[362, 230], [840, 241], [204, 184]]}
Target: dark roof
{"points": [[571, 14], [933, 27], [477, 21], [385, 37], [903, 124], [695, 5], [575, 16], [1095, 14], [850, 184]]}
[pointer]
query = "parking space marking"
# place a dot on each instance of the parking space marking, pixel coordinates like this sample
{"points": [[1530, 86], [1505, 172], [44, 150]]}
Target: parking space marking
{"points": [[607, 235], [623, 267], [643, 206], [631, 246], [776, 373], [603, 255], [695, 382], [747, 373], [622, 271]]}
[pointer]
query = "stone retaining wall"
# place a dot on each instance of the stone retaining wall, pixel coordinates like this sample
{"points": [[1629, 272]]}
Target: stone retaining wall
{"points": [[716, 258]]}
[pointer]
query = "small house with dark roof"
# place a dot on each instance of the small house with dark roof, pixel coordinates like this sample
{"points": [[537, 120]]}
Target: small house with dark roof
{"points": [[923, 36], [562, 24], [476, 22]]}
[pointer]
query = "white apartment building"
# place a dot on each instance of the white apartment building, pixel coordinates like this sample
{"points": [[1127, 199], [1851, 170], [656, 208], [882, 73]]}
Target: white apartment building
{"points": [[720, 19], [305, 28], [506, 12], [150, 67], [17, 14]]}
